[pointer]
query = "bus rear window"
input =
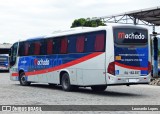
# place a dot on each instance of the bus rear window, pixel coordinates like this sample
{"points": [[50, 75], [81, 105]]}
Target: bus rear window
{"points": [[130, 36]]}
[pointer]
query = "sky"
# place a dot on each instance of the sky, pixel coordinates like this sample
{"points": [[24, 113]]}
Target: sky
{"points": [[22, 19]]}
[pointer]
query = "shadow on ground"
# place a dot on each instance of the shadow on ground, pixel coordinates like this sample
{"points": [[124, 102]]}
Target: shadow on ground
{"points": [[4, 71], [87, 91]]}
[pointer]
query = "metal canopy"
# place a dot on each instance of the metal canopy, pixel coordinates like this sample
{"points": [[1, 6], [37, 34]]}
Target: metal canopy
{"points": [[149, 17]]}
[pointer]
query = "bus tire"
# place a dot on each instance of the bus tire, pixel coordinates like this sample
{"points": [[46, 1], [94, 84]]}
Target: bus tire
{"points": [[99, 88], [22, 79], [65, 82]]}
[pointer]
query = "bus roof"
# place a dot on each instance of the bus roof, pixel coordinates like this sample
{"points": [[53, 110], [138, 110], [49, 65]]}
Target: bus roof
{"points": [[89, 29], [76, 31], [35, 38], [81, 30]]}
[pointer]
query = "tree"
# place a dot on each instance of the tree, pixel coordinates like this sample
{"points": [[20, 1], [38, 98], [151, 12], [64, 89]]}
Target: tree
{"points": [[87, 23]]}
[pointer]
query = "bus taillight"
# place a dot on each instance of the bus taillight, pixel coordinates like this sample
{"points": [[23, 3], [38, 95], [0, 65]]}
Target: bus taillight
{"points": [[111, 68], [149, 67]]}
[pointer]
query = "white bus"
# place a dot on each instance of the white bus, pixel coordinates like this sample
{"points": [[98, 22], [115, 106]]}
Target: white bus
{"points": [[91, 57]]}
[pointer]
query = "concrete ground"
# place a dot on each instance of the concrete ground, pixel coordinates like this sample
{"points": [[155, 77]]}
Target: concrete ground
{"points": [[11, 93]]}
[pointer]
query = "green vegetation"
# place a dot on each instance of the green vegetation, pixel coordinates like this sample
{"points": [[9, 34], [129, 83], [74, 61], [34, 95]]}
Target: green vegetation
{"points": [[87, 23]]}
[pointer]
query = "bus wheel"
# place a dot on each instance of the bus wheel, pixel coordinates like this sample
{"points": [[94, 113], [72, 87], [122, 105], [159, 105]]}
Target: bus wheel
{"points": [[23, 80], [98, 88], [65, 81]]}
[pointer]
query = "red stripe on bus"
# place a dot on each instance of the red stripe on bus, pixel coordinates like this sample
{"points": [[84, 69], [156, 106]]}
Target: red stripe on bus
{"points": [[74, 62], [14, 74], [131, 67]]}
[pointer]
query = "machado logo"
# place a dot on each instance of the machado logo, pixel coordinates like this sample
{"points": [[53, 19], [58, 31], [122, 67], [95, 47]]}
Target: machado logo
{"points": [[41, 62], [122, 35]]}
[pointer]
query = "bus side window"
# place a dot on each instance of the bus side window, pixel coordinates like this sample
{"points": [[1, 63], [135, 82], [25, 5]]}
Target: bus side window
{"points": [[99, 42], [26, 48], [31, 48], [49, 46], [64, 45], [72, 44], [80, 44], [89, 42], [21, 49], [37, 48], [56, 44], [43, 47]]}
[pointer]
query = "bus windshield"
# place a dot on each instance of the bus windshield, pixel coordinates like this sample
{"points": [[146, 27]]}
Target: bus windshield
{"points": [[130, 36], [3, 58], [4, 62]]}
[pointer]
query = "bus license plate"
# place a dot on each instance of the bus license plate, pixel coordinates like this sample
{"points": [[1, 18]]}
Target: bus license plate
{"points": [[132, 72], [133, 80]]}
